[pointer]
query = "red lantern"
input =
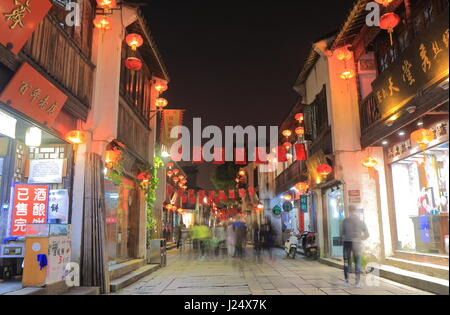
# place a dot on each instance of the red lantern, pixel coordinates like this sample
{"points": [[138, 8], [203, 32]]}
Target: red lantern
{"points": [[343, 54], [347, 74], [169, 173], [161, 87], [324, 170], [107, 4], [384, 3], [388, 22], [103, 23], [133, 64], [423, 137], [144, 177], [134, 41], [369, 162], [112, 157], [176, 179], [176, 171], [299, 117], [300, 131], [287, 133], [287, 146], [170, 165], [302, 186], [161, 103]]}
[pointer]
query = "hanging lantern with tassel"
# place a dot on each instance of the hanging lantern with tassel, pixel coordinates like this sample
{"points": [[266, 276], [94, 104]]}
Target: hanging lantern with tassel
{"points": [[389, 22]]}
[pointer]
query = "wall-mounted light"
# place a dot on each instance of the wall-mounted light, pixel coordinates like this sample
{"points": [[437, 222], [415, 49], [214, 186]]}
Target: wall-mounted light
{"points": [[33, 137]]}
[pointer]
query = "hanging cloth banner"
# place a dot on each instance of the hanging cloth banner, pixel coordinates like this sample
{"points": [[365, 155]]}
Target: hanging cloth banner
{"points": [[242, 193], [201, 195], [170, 119], [300, 152], [281, 154], [184, 198], [261, 156], [223, 196], [251, 191], [211, 195], [232, 194], [191, 196]]}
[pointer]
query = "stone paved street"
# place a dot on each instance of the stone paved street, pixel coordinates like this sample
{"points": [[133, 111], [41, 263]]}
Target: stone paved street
{"points": [[185, 275]]}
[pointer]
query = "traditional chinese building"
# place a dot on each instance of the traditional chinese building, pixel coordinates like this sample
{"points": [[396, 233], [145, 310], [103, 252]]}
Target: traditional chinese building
{"points": [[402, 91]]}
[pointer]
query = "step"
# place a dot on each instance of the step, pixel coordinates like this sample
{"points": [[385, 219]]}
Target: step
{"points": [[119, 270], [171, 245], [132, 277], [432, 270], [83, 291], [28, 291], [413, 279]]}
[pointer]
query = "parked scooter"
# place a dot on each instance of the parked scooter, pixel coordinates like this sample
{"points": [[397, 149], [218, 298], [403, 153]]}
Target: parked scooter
{"points": [[309, 245], [290, 247]]}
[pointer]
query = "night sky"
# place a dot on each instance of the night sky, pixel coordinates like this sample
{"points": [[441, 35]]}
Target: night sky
{"points": [[235, 62]]}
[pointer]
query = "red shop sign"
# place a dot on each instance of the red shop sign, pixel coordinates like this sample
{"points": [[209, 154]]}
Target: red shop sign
{"points": [[19, 19], [33, 95], [30, 206]]}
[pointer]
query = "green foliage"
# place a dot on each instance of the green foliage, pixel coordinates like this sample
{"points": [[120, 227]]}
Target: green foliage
{"points": [[225, 175], [149, 190], [115, 173]]}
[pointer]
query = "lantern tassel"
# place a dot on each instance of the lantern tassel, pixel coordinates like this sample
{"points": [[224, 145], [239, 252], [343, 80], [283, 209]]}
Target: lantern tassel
{"points": [[390, 35]]}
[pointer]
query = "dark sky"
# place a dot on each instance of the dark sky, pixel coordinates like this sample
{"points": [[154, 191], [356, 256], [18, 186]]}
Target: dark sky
{"points": [[235, 62]]}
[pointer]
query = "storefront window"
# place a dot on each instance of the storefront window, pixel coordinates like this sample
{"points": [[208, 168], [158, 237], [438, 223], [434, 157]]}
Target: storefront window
{"points": [[421, 185]]}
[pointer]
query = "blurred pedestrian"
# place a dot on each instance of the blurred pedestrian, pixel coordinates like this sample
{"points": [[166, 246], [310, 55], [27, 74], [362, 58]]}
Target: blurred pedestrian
{"points": [[231, 239], [353, 233], [178, 234], [241, 238]]}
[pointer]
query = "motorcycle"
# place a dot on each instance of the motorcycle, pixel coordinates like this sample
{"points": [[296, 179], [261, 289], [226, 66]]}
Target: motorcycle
{"points": [[309, 245], [290, 247]]}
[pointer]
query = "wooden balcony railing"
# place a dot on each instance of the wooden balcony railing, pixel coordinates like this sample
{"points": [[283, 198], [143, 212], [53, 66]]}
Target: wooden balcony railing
{"points": [[60, 57], [369, 112]]}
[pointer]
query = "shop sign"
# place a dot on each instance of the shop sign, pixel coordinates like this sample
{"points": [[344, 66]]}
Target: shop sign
{"points": [[426, 59], [46, 171], [287, 206], [19, 19], [406, 148], [277, 210], [304, 204], [33, 95], [354, 196], [29, 206], [59, 206]]}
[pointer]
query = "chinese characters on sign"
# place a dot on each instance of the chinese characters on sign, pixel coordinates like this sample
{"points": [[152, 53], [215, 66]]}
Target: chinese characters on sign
{"points": [[30, 206], [170, 119], [19, 19], [30, 93], [424, 60]]}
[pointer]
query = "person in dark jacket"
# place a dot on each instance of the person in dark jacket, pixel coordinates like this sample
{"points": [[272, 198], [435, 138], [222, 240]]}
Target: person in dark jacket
{"points": [[353, 233]]}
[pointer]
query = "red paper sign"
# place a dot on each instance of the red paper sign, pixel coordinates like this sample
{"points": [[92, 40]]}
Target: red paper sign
{"points": [[33, 95], [201, 195], [19, 19], [242, 193], [223, 196], [170, 119], [192, 196], [212, 195], [240, 156], [232, 194], [300, 152], [219, 155], [30, 206]]}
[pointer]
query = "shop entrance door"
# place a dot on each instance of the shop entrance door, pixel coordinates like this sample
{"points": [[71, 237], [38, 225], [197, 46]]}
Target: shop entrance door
{"points": [[336, 214]]}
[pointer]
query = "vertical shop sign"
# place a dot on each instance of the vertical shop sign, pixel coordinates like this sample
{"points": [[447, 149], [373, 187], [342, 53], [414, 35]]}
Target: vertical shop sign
{"points": [[29, 206], [19, 19]]}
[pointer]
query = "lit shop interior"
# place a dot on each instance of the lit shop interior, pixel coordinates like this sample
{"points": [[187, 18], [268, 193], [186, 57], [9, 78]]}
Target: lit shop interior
{"points": [[420, 181], [35, 166]]}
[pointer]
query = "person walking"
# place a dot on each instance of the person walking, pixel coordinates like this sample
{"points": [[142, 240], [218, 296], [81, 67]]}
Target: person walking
{"points": [[353, 233], [178, 234], [231, 239]]}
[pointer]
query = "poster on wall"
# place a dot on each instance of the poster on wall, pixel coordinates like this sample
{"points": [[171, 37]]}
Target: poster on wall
{"points": [[58, 258], [58, 206], [29, 206], [46, 171]]}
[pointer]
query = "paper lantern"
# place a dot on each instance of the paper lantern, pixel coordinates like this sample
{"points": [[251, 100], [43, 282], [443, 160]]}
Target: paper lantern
{"points": [[134, 41], [161, 87], [287, 146], [389, 22], [144, 177], [324, 170], [170, 165], [369, 162], [112, 157], [176, 171], [107, 4], [287, 197], [169, 173], [299, 117], [133, 64], [384, 3], [161, 103], [302, 186], [175, 179], [347, 74], [76, 137], [343, 54], [242, 173], [423, 137], [103, 23], [287, 133], [300, 131]]}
